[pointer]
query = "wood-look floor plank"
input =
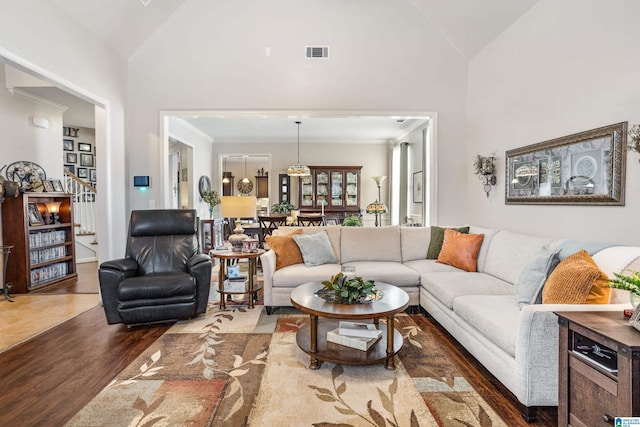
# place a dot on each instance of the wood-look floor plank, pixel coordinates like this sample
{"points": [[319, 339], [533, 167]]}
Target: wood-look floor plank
{"points": [[47, 380]]}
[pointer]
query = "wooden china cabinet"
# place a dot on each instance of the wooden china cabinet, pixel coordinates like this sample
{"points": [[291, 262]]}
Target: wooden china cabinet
{"points": [[335, 187], [43, 251]]}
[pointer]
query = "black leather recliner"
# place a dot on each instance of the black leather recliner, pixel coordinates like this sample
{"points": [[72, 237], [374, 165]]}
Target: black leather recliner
{"points": [[163, 276]]}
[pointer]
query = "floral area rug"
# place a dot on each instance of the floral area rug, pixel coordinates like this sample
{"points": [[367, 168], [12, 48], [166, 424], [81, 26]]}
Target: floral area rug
{"points": [[239, 367]]}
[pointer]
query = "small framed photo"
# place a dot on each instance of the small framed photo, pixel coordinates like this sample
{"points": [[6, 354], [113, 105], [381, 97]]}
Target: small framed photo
{"points": [[67, 144], [83, 146], [72, 158], [86, 160], [82, 172], [92, 175], [70, 168], [35, 218], [48, 186], [57, 185]]}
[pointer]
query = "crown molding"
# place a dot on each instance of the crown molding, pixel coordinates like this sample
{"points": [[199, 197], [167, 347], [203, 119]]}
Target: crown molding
{"points": [[28, 96]]}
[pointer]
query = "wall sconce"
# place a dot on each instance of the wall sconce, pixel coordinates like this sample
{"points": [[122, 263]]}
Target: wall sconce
{"points": [[54, 211], [485, 169]]}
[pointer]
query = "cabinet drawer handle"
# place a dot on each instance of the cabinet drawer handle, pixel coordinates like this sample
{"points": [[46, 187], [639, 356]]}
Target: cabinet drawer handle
{"points": [[608, 419]]}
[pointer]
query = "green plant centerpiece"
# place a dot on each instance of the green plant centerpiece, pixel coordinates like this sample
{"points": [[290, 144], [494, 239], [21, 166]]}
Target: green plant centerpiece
{"points": [[629, 283], [282, 207], [352, 221], [350, 290]]}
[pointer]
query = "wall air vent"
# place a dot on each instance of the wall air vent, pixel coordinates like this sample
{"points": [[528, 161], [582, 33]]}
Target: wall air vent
{"points": [[317, 52]]}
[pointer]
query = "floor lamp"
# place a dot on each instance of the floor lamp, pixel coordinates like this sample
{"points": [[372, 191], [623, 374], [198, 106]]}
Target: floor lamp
{"points": [[377, 207]]}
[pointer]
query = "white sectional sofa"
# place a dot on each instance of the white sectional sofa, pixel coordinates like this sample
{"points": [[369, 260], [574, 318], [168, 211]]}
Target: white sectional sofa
{"points": [[517, 344]]}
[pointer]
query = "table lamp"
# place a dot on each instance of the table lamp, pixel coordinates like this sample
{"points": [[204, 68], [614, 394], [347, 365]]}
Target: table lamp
{"points": [[238, 207]]}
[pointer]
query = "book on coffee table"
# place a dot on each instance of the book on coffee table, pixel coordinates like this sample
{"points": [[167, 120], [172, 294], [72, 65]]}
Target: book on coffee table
{"points": [[359, 343], [358, 329]]}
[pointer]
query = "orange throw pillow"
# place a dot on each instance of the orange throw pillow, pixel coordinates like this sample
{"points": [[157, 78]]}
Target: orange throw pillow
{"points": [[576, 280], [286, 249], [460, 250]]}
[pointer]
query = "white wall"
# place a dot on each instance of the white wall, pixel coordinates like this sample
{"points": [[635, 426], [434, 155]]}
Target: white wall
{"points": [[564, 67], [385, 56], [36, 35], [24, 141]]}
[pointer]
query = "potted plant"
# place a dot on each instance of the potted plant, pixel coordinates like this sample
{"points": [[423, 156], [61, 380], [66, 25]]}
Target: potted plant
{"points": [[349, 289], [212, 198], [629, 283], [352, 221]]}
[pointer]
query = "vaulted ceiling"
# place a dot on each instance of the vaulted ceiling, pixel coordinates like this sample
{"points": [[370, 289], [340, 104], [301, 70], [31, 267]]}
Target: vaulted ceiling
{"points": [[125, 25]]}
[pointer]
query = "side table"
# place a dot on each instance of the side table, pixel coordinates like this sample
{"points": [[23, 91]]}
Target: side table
{"points": [[599, 368], [5, 251], [224, 256]]}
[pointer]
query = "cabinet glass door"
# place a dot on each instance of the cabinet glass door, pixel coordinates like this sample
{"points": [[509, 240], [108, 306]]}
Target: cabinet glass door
{"points": [[337, 189], [306, 190], [352, 189], [322, 188]]}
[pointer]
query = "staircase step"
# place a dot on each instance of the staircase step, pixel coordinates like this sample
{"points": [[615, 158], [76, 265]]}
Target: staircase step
{"points": [[89, 233]]}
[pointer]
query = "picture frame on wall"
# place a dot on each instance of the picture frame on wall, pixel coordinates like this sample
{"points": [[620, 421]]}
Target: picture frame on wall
{"points": [[67, 144], [72, 158], [92, 175], [48, 186], [586, 168], [70, 168], [83, 146], [86, 160], [83, 173], [417, 187]]}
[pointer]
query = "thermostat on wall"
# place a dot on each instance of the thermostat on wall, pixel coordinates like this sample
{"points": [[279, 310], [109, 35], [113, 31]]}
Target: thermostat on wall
{"points": [[141, 181]]}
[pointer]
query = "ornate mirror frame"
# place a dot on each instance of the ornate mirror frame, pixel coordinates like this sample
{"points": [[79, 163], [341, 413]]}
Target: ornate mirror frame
{"points": [[586, 168]]}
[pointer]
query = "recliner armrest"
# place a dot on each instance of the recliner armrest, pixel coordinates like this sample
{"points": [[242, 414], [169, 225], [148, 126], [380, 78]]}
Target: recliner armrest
{"points": [[199, 267], [124, 265], [197, 259]]}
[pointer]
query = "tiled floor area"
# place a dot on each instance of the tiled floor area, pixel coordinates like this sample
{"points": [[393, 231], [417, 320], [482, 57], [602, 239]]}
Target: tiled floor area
{"points": [[31, 314]]}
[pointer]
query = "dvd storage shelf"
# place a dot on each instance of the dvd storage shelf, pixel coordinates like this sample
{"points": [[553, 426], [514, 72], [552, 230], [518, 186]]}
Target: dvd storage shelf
{"points": [[44, 253]]}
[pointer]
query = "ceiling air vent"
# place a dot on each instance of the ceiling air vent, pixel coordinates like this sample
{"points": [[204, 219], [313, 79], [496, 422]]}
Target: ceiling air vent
{"points": [[317, 51]]}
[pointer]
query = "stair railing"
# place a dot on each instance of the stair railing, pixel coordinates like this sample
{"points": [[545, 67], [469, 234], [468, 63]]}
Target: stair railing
{"points": [[84, 206]]}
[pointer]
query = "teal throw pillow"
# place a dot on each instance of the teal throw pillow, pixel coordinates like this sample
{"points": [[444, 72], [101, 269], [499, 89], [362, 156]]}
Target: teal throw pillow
{"points": [[437, 237], [528, 286], [315, 248]]}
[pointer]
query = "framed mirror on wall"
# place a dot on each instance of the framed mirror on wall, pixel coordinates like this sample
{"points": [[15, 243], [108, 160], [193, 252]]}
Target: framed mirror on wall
{"points": [[586, 168]]}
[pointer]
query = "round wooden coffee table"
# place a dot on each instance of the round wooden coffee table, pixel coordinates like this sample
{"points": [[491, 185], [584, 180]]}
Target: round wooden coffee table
{"points": [[312, 340]]}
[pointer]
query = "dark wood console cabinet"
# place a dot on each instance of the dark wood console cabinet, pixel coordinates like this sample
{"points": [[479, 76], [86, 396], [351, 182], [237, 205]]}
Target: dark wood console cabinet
{"points": [[44, 254], [599, 369]]}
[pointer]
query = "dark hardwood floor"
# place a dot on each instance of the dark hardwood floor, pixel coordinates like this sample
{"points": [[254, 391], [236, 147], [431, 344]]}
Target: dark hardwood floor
{"points": [[48, 379]]}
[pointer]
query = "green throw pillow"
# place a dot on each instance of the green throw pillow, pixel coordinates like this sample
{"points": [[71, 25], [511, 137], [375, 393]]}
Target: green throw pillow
{"points": [[437, 237]]}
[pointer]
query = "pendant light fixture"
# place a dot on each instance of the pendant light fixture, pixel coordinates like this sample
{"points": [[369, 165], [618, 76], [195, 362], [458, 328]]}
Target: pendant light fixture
{"points": [[245, 179], [225, 177], [298, 169]]}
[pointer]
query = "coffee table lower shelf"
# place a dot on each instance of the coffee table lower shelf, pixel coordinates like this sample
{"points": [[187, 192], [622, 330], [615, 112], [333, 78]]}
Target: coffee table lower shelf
{"points": [[340, 354]]}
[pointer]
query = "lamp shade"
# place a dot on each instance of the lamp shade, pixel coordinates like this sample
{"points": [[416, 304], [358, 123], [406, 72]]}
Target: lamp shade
{"points": [[379, 179], [239, 206], [376, 208]]}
